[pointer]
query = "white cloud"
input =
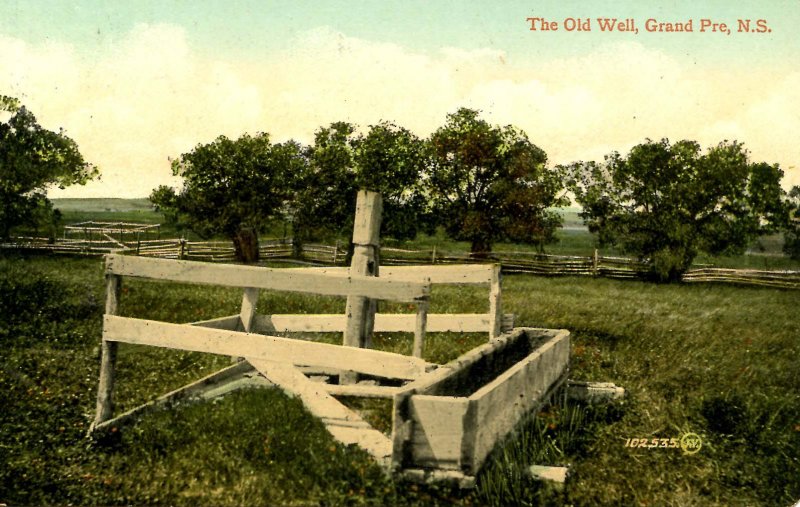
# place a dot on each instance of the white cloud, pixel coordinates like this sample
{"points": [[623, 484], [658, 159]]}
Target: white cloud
{"points": [[151, 96]]}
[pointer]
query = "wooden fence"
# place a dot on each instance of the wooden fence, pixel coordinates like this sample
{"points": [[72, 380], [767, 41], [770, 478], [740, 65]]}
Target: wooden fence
{"points": [[336, 255]]}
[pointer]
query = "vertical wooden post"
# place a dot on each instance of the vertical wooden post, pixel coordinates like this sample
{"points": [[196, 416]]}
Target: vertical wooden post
{"points": [[433, 255], [419, 329], [594, 263], [366, 240], [247, 313], [108, 357], [183, 245], [495, 304], [335, 251]]}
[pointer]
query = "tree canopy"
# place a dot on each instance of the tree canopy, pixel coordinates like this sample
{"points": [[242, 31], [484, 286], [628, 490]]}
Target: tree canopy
{"points": [[488, 184], [387, 159], [668, 202], [33, 159], [233, 188]]}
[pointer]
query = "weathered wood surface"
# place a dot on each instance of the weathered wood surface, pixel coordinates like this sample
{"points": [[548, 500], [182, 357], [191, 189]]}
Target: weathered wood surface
{"points": [[232, 343], [501, 404], [360, 391], [384, 323], [264, 278], [439, 431], [477, 415], [230, 323], [108, 357], [449, 274], [197, 389], [344, 424], [495, 305]]}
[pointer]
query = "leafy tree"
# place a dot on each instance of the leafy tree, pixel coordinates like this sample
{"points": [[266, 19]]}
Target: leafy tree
{"points": [[388, 159], [233, 188], [32, 159], [791, 237], [668, 202], [490, 183]]}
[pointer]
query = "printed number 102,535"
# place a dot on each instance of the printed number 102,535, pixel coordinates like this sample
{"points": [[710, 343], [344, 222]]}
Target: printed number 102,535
{"points": [[650, 443]]}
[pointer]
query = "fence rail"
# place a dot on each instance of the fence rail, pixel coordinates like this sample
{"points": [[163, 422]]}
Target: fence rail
{"points": [[512, 262]]}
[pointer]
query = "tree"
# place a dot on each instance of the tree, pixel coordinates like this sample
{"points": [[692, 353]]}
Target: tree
{"points": [[233, 188], [388, 159], [791, 236], [32, 159], [490, 184], [668, 202]]}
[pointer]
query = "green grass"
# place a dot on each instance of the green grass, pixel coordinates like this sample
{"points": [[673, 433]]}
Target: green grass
{"points": [[715, 360]]}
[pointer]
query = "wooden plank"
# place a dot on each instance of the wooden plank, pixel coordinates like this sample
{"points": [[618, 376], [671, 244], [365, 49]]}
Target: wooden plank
{"points": [[447, 274], [419, 329], [501, 404], [223, 342], [361, 391], [108, 357], [344, 424], [231, 323], [195, 389], [495, 313], [384, 323], [248, 310], [264, 278], [438, 423]]}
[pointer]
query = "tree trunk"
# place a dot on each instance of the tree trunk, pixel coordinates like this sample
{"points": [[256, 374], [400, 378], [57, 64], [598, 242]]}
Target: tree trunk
{"points": [[481, 248], [245, 245]]}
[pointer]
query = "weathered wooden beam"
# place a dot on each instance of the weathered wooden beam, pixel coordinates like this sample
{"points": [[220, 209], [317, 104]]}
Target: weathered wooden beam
{"points": [[384, 323], [229, 275], [495, 308], [344, 424], [360, 391], [223, 342], [446, 274], [108, 357], [594, 392], [419, 329], [194, 390]]}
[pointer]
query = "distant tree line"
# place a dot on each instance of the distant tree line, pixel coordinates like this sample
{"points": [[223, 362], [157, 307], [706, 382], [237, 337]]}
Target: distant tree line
{"points": [[662, 202], [481, 183]]}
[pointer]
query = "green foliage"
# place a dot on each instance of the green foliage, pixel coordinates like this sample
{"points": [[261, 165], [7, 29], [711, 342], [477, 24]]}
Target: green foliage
{"points": [[791, 236], [388, 159], [667, 203], [32, 159], [489, 183], [232, 187]]}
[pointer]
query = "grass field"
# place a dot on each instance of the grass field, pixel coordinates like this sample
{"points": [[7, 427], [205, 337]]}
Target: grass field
{"points": [[715, 360]]}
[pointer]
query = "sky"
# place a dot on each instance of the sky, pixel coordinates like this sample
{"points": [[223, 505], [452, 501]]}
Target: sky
{"points": [[136, 83]]}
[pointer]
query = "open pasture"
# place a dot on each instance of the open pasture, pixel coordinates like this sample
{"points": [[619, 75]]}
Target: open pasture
{"points": [[717, 361]]}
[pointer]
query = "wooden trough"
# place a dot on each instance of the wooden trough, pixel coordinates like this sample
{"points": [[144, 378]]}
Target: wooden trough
{"points": [[446, 419]]}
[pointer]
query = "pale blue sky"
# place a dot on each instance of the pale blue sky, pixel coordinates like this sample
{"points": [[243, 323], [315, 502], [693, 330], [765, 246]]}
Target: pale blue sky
{"points": [[135, 82]]}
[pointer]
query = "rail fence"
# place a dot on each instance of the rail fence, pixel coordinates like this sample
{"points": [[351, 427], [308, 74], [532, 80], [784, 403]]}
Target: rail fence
{"points": [[281, 250]]}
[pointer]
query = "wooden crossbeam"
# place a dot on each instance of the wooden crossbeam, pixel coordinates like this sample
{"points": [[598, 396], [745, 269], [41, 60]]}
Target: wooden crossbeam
{"points": [[256, 277], [344, 424], [384, 323], [453, 274], [233, 343]]}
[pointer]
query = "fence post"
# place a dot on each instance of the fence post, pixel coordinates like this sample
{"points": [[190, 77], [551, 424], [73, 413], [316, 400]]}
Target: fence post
{"points": [[366, 240], [183, 246], [335, 251], [594, 263], [108, 357], [138, 242], [433, 255]]}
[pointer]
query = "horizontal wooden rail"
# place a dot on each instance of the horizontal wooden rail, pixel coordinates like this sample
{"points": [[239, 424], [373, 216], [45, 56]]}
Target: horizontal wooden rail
{"points": [[270, 348], [264, 278]]}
